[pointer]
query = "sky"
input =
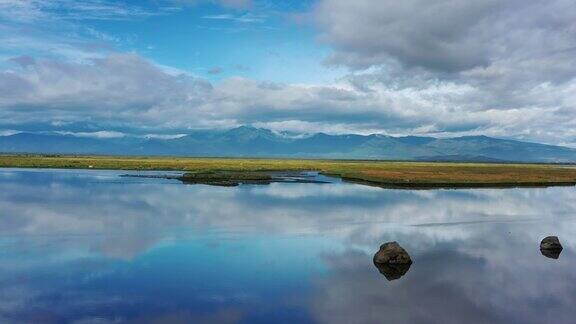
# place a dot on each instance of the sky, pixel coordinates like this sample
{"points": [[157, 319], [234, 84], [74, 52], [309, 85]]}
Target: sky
{"points": [[502, 68]]}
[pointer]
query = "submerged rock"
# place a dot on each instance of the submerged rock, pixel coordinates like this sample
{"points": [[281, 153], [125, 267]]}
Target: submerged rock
{"points": [[392, 253], [550, 247], [392, 271], [551, 243], [552, 254]]}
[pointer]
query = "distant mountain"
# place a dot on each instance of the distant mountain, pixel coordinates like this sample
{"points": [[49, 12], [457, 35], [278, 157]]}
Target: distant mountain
{"points": [[256, 142]]}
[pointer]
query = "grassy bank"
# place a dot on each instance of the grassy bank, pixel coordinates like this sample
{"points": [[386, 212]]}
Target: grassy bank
{"points": [[386, 174]]}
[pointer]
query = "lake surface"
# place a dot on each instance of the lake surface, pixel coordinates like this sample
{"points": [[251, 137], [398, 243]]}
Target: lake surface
{"points": [[93, 247]]}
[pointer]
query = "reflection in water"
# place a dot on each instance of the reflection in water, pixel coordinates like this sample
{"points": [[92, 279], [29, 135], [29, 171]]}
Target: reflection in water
{"points": [[552, 254], [89, 246], [392, 271]]}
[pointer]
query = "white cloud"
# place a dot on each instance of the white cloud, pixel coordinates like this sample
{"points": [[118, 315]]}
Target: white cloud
{"points": [[447, 35], [126, 89], [501, 68], [8, 132], [34, 10], [164, 136], [99, 134], [246, 18], [510, 64]]}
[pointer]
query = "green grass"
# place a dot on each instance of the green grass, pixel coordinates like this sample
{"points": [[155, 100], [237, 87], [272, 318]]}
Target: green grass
{"points": [[225, 178], [381, 173]]}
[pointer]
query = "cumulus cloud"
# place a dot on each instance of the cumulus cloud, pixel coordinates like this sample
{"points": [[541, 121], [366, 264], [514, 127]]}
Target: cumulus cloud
{"points": [[514, 56], [127, 89], [442, 68], [116, 87], [446, 35]]}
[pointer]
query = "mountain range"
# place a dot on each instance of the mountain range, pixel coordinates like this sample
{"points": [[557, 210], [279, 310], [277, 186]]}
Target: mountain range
{"points": [[257, 142]]}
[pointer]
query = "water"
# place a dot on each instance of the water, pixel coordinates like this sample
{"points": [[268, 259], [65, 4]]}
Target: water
{"points": [[93, 247]]}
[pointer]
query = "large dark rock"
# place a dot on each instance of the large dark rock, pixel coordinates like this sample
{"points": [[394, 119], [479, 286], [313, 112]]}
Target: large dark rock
{"points": [[392, 253], [392, 260], [550, 247], [550, 243]]}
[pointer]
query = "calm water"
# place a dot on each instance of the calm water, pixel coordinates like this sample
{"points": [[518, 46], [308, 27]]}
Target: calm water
{"points": [[92, 247]]}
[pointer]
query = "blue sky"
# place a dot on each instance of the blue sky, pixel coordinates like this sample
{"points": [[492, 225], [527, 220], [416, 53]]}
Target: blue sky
{"points": [[263, 41], [443, 68], [215, 42]]}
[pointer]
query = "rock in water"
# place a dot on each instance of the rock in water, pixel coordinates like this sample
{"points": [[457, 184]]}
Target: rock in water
{"points": [[551, 243], [392, 253], [550, 247]]}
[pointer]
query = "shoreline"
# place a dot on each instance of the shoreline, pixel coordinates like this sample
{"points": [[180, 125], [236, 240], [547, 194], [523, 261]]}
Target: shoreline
{"points": [[384, 174]]}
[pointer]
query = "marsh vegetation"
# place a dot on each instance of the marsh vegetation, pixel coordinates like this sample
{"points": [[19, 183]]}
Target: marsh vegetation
{"points": [[379, 173]]}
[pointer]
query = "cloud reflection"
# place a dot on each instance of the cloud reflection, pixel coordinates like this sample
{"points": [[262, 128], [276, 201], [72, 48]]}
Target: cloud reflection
{"points": [[475, 252]]}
